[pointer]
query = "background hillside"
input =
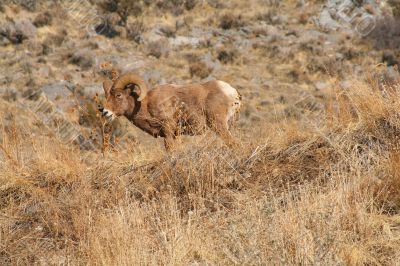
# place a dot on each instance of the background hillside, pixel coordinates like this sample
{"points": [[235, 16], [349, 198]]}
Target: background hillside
{"points": [[315, 181]]}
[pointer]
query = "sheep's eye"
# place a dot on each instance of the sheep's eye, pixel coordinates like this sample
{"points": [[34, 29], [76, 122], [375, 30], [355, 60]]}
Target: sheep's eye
{"points": [[118, 95]]}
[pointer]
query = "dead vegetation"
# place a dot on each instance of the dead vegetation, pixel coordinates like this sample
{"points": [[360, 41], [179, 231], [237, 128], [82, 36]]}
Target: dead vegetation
{"points": [[324, 191], [229, 21], [315, 181], [199, 69], [126, 8], [385, 35]]}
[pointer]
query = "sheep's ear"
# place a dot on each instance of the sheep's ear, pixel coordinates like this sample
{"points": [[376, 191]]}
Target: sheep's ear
{"points": [[107, 85], [134, 89]]}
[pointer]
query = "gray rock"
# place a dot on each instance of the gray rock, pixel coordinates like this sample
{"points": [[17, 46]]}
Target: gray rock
{"points": [[59, 90], [158, 48], [130, 63], [153, 35], [44, 72], [179, 41], [17, 32], [25, 27], [311, 36], [35, 48], [92, 89], [167, 31], [153, 77], [346, 84], [327, 22], [54, 114], [180, 23], [320, 85], [4, 41], [349, 15], [210, 62], [390, 75], [202, 33]]}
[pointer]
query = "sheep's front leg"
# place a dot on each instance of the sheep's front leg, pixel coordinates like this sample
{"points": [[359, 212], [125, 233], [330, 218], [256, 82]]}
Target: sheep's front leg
{"points": [[220, 127], [169, 143], [227, 137], [169, 135]]}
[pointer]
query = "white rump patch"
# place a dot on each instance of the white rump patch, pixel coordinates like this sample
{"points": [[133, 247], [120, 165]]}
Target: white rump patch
{"points": [[227, 89], [233, 94]]}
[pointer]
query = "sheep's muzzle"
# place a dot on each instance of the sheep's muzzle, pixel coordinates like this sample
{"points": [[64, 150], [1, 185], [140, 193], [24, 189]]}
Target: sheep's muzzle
{"points": [[107, 113]]}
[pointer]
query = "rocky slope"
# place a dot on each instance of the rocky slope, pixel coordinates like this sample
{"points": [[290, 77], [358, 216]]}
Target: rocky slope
{"points": [[315, 180], [281, 56]]}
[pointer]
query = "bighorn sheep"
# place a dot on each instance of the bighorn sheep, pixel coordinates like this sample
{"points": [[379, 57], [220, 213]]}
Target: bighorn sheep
{"points": [[171, 110]]}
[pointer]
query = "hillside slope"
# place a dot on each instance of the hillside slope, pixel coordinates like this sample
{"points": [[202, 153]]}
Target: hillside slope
{"points": [[315, 180]]}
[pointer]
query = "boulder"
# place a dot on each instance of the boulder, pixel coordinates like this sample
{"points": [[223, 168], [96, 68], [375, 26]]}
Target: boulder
{"points": [[327, 22], [321, 86], [18, 31], [179, 41], [59, 89]]}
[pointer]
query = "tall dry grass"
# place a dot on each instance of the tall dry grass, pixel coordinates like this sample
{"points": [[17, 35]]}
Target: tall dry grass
{"points": [[322, 189]]}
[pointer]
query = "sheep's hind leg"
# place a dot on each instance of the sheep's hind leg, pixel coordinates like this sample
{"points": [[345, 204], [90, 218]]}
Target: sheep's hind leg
{"points": [[220, 127]]}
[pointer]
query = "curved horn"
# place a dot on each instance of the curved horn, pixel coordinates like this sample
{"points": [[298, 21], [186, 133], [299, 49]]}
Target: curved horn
{"points": [[131, 78]]}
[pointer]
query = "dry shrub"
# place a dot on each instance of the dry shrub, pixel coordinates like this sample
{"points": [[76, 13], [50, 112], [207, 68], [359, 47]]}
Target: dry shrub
{"points": [[325, 65], [216, 4], [270, 17], [29, 5], [231, 21], [386, 33], [304, 18], [388, 189], [135, 30], [190, 4], [126, 8], [56, 38], [43, 19], [44, 198], [395, 5], [82, 58], [300, 161], [331, 227], [158, 48], [199, 69], [227, 56], [176, 7], [389, 58]]}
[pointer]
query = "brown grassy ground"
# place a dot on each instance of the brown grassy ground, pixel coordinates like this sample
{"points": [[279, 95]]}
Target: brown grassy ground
{"points": [[321, 190]]}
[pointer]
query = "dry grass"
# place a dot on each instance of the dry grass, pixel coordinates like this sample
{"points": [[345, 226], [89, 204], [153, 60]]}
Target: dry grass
{"points": [[316, 181], [321, 190]]}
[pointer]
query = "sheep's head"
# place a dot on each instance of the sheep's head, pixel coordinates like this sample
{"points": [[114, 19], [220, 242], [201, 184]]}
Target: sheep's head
{"points": [[123, 96]]}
